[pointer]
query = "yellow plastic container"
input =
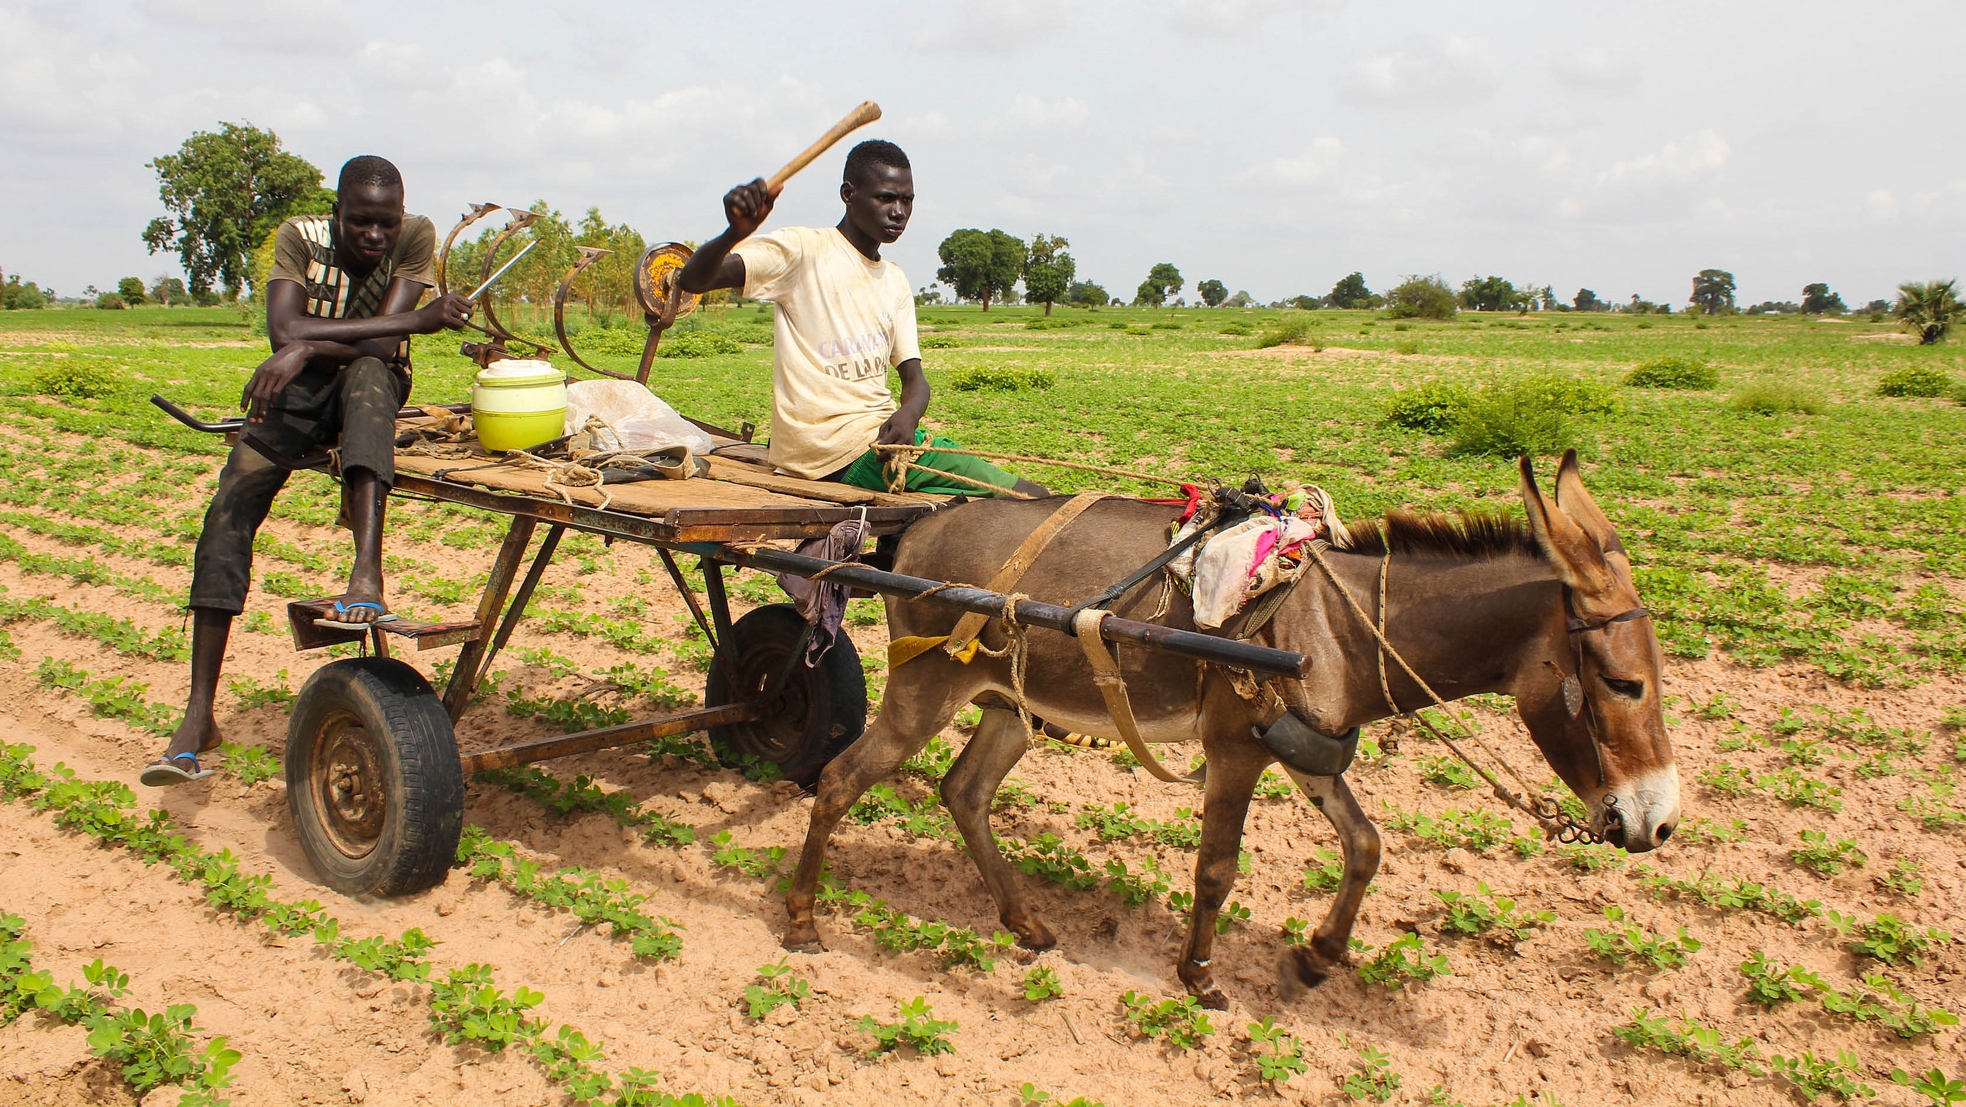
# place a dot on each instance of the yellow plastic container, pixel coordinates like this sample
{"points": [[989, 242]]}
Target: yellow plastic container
{"points": [[517, 404]]}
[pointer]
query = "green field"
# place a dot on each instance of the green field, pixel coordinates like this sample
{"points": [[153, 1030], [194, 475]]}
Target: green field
{"points": [[1837, 537]]}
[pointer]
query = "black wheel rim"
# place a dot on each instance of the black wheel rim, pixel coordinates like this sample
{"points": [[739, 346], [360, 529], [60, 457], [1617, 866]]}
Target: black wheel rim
{"points": [[347, 786], [779, 735]]}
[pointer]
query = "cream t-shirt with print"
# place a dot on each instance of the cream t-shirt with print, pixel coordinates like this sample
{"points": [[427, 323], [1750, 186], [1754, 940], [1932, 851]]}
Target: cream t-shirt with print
{"points": [[843, 322]]}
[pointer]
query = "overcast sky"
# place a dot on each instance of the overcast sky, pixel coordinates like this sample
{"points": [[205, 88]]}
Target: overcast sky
{"points": [[1275, 145]]}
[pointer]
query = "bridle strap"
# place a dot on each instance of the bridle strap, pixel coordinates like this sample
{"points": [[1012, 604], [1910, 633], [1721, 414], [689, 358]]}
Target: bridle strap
{"points": [[1577, 626]]}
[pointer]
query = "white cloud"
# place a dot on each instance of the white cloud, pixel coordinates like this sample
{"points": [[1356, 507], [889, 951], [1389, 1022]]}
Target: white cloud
{"points": [[1882, 203], [1694, 159], [998, 27], [1593, 68], [1311, 168], [314, 28], [1447, 73], [1028, 111], [1236, 17]]}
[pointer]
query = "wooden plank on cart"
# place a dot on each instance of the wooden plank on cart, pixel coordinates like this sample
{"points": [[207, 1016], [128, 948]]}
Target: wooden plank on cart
{"points": [[308, 635]]}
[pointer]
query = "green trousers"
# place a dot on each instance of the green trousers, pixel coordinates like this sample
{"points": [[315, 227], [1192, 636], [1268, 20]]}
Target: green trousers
{"points": [[868, 471]]}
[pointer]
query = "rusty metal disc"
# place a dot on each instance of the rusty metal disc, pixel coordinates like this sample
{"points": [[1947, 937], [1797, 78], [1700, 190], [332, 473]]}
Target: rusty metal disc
{"points": [[654, 275]]}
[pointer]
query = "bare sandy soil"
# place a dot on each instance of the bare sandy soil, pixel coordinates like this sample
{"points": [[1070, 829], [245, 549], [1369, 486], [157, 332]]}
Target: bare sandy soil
{"points": [[1534, 1021]]}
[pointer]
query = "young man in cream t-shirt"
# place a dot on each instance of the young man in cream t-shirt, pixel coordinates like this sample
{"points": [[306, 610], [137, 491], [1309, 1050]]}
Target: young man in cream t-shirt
{"points": [[845, 318]]}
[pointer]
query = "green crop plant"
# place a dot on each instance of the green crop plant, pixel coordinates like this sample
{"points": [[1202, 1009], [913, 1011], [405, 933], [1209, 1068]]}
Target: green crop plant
{"points": [[728, 855], [1771, 985], [1049, 858], [1373, 1079], [1621, 945], [1485, 911], [1325, 872], [1703, 831], [1878, 1000], [1476, 829], [918, 1029], [115, 698], [897, 932], [1904, 879], [779, 986], [923, 817], [1450, 772], [1686, 1038], [1793, 788], [1135, 889], [1815, 1076], [1938, 1089], [933, 761], [468, 1006], [1935, 810], [582, 794], [1672, 372], [1404, 961], [1284, 1057], [1589, 858], [1180, 1020], [1273, 785], [1041, 983], [1727, 895], [1824, 856], [587, 895], [252, 694], [1887, 938]]}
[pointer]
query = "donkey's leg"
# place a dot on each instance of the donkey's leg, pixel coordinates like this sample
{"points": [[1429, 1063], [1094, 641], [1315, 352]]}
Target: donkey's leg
{"points": [[902, 728], [967, 791], [1233, 769], [1307, 966]]}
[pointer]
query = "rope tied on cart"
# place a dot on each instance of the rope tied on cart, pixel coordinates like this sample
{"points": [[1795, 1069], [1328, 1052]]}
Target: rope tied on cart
{"points": [[1018, 648], [901, 459]]}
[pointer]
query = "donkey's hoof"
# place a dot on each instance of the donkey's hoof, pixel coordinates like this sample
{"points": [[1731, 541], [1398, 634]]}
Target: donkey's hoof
{"points": [[1034, 936], [1213, 998], [803, 938], [1300, 971]]}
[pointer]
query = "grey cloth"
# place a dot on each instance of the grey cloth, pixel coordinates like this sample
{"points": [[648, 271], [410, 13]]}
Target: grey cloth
{"points": [[822, 602], [356, 406]]}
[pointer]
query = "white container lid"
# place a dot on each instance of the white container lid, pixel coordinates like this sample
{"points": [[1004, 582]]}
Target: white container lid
{"points": [[519, 371]]}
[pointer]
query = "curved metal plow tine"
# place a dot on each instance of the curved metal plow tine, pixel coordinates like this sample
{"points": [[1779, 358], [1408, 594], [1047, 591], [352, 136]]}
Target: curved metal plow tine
{"points": [[521, 219], [477, 212], [588, 256]]}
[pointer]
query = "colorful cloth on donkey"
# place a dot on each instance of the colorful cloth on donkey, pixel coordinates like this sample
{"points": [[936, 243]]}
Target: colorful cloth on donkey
{"points": [[1243, 561]]}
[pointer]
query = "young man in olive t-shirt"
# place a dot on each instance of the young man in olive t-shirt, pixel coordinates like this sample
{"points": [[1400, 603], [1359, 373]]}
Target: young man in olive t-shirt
{"points": [[340, 307]]}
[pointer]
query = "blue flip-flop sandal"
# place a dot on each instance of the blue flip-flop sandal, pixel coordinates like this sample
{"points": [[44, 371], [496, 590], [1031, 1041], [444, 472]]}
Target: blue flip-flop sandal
{"points": [[341, 608], [172, 770]]}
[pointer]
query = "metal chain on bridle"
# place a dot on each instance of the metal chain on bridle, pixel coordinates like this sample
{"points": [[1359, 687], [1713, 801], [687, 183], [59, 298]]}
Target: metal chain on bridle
{"points": [[1548, 813]]}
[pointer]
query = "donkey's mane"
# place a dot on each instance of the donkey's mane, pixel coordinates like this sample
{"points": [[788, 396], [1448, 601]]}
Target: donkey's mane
{"points": [[1467, 535]]}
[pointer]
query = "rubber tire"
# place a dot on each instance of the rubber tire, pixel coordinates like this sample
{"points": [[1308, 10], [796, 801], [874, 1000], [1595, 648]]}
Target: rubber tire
{"points": [[415, 760], [825, 706]]}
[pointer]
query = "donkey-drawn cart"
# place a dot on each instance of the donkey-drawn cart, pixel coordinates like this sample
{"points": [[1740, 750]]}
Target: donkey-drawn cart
{"points": [[375, 777]]}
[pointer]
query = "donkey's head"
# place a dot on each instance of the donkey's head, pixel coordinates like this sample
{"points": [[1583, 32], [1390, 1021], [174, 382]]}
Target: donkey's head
{"points": [[1592, 700]]}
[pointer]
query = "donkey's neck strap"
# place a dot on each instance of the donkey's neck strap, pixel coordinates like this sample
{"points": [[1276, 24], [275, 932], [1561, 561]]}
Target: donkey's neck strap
{"points": [[1578, 626]]}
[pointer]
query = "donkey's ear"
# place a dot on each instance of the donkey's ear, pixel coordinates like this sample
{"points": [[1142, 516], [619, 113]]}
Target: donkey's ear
{"points": [[1577, 557], [1575, 501]]}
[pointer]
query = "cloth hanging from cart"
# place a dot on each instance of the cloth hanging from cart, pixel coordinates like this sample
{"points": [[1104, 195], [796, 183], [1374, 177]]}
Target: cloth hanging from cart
{"points": [[1244, 561], [821, 601]]}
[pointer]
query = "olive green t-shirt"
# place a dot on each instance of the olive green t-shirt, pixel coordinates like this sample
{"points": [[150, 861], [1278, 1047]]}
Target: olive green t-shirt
{"points": [[303, 252]]}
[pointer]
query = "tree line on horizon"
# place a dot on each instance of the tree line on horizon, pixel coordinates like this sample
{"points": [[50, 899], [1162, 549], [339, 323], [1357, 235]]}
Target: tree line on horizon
{"points": [[225, 193]]}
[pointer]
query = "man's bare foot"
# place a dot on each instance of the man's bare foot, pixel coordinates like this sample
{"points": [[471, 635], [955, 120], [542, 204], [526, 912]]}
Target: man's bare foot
{"points": [[359, 606]]}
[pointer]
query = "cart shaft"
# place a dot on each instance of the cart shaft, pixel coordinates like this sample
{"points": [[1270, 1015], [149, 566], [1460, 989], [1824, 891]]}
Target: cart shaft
{"points": [[627, 734], [1186, 643]]}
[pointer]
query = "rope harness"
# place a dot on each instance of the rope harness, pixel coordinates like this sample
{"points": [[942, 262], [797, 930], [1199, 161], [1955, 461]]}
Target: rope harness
{"points": [[1550, 815]]}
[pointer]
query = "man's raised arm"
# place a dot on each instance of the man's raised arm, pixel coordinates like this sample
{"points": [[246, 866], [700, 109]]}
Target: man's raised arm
{"points": [[745, 209]]}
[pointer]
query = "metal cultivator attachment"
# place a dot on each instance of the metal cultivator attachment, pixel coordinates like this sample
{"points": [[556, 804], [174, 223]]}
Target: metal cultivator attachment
{"points": [[661, 300]]}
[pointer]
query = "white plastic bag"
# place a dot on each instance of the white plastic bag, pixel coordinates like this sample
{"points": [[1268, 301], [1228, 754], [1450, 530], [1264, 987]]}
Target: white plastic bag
{"points": [[640, 421]]}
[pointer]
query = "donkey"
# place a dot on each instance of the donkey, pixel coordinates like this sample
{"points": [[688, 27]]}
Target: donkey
{"points": [[1546, 613]]}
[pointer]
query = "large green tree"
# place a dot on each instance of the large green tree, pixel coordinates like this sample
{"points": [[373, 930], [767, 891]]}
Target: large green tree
{"points": [[1421, 298], [1817, 299], [1048, 271], [1929, 308], [1087, 294], [981, 265], [1212, 292], [225, 191], [1489, 293], [1162, 281], [1713, 291], [1350, 292]]}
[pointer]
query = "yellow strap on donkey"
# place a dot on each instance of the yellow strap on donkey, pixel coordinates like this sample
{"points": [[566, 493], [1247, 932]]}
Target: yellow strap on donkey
{"points": [[1106, 674], [960, 643]]}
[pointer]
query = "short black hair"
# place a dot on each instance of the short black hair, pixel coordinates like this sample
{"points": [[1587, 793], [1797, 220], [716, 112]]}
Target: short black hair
{"points": [[874, 151], [368, 171]]}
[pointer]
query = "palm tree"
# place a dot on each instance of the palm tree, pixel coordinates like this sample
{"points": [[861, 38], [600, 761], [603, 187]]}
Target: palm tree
{"points": [[1929, 309]]}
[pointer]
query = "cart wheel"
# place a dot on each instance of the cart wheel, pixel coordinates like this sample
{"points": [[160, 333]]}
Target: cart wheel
{"points": [[373, 778], [820, 711]]}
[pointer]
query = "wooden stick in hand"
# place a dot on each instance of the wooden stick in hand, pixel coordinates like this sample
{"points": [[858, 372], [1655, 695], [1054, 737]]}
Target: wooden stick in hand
{"points": [[857, 118]]}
